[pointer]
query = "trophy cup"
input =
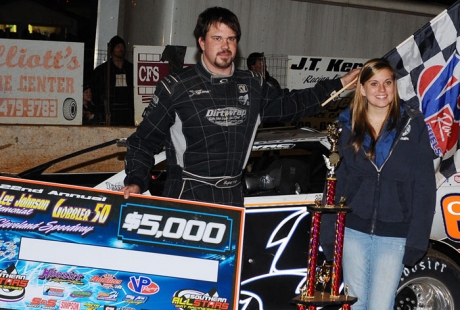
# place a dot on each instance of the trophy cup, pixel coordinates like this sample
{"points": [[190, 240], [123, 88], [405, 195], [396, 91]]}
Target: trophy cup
{"points": [[310, 297]]}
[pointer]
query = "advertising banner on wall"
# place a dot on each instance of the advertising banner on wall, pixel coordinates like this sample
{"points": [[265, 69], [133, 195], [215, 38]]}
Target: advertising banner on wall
{"points": [[41, 82], [151, 64], [67, 247], [306, 71]]}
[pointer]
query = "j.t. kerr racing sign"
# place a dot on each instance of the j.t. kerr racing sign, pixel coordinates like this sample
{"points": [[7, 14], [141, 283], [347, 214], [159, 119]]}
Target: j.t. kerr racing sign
{"points": [[67, 247], [306, 71]]}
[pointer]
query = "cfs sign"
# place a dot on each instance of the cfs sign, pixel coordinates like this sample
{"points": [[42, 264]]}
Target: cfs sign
{"points": [[150, 73], [451, 211]]}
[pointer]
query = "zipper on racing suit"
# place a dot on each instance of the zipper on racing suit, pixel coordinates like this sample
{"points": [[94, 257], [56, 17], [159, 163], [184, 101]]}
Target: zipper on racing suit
{"points": [[377, 192]]}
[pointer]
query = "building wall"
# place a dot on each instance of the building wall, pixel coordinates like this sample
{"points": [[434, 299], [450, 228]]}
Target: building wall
{"points": [[283, 26]]}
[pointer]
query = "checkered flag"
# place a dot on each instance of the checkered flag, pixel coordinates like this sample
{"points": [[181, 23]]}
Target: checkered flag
{"points": [[428, 70]]}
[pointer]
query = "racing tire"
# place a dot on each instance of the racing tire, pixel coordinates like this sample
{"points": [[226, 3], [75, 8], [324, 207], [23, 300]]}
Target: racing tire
{"points": [[69, 109], [433, 283]]}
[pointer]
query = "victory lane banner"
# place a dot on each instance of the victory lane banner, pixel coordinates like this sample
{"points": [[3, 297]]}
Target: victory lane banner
{"points": [[68, 247]]}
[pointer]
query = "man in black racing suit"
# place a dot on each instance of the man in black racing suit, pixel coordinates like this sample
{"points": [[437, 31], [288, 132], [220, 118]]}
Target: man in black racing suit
{"points": [[206, 118]]}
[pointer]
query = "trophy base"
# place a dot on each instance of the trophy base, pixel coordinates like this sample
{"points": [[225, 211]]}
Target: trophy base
{"points": [[324, 299]]}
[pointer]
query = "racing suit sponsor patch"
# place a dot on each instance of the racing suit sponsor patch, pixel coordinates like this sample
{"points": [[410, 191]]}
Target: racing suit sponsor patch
{"points": [[243, 88], [244, 100], [197, 92], [226, 116]]}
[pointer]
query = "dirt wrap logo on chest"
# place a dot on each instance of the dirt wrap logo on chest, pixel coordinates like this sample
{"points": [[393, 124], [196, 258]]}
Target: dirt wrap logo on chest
{"points": [[230, 116]]}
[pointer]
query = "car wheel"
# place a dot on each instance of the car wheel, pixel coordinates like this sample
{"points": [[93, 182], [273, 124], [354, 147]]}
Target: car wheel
{"points": [[433, 283]]}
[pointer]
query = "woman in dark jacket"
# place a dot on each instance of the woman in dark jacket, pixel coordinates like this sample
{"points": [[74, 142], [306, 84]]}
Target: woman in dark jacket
{"points": [[386, 175]]}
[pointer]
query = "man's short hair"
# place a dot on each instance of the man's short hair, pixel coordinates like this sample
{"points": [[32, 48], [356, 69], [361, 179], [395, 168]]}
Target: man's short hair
{"points": [[213, 16], [253, 57]]}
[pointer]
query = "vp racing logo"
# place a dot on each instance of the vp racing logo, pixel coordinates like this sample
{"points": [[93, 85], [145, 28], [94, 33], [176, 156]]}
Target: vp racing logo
{"points": [[143, 285], [226, 116], [191, 300]]}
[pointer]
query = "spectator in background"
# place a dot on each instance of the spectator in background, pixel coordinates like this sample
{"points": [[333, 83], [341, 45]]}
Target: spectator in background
{"points": [[256, 62], [90, 116], [114, 86]]}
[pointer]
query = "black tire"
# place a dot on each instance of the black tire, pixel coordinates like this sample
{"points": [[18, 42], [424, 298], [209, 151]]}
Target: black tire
{"points": [[433, 283], [69, 109]]}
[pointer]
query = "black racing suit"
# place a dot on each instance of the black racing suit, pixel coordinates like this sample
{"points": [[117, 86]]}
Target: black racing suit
{"points": [[207, 125]]}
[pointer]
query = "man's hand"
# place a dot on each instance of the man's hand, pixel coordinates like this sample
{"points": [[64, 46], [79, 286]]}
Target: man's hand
{"points": [[350, 77], [130, 189]]}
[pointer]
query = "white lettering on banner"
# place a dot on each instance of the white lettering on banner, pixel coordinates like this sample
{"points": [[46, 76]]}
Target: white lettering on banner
{"points": [[149, 70], [226, 116], [451, 206], [20, 188], [149, 73], [426, 263]]}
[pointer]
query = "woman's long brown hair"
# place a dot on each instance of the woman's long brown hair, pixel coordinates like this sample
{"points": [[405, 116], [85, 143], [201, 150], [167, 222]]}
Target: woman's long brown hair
{"points": [[360, 124]]}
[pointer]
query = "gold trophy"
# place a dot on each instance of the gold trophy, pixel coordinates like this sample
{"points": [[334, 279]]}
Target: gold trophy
{"points": [[323, 275], [310, 297]]}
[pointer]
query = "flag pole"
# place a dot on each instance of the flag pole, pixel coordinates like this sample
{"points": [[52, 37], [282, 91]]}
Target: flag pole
{"points": [[339, 92]]}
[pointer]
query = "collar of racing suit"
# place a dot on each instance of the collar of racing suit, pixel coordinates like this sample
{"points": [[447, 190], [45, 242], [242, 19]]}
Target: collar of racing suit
{"points": [[215, 79]]}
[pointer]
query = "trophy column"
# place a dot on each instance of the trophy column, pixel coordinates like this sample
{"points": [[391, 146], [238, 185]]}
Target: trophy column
{"points": [[310, 298]]}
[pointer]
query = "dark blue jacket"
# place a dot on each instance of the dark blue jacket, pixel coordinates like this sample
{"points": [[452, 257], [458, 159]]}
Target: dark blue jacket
{"points": [[396, 198]]}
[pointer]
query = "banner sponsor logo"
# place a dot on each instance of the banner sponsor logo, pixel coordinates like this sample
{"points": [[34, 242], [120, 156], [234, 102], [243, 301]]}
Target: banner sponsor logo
{"points": [[192, 299], [143, 285]]}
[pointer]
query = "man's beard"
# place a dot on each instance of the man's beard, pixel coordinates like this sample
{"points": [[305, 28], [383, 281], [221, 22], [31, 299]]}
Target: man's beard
{"points": [[223, 63], [120, 55]]}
